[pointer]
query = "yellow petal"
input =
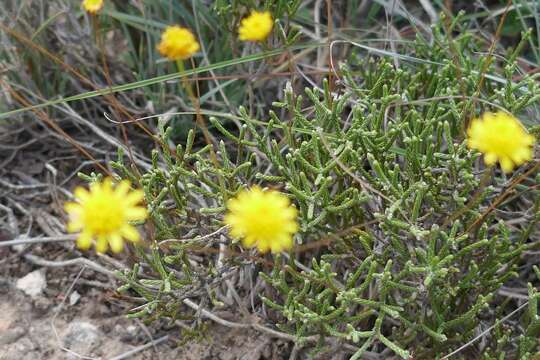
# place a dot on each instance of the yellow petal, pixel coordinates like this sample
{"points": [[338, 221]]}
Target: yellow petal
{"points": [[123, 188], [522, 155], [233, 204], [74, 226], [506, 164], [102, 244], [134, 197], [136, 213], [282, 243], [530, 140], [249, 241], [81, 194], [84, 241], [130, 233], [263, 246], [73, 208], [290, 212], [95, 187], [117, 245], [490, 159]]}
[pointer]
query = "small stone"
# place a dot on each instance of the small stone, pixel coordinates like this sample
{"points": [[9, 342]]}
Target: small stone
{"points": [[32, 284], [126, 333], [19, 248], [74, 298], [82, 337], [131, 330]]}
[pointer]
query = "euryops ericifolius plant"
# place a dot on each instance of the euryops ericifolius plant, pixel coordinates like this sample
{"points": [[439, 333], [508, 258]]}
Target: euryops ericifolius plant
{"points": [[399, 221]]}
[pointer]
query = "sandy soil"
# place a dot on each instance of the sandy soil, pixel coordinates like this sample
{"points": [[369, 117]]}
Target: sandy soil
{"points": [[91, 325]]}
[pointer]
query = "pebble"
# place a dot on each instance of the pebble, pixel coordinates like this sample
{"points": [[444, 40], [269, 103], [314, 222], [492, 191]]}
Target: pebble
{"points": [[82, 338], [74, 298], [32, 284]]}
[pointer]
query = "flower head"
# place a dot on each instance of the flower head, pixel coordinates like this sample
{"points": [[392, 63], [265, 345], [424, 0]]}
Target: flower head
{"points": [[178, 43], [500, 137], [92, 6], [256, 27], [264, 219], [103, 214]]}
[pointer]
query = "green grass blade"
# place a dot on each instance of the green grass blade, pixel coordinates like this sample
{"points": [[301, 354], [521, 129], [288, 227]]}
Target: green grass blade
{"points": [[156, 80]]}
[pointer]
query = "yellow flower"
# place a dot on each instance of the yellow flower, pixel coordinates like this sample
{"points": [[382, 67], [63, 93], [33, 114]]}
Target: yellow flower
{"points": [[501, 137], [92, 6], [256, 27], [103, 214], [178, 43], [264, 219]]}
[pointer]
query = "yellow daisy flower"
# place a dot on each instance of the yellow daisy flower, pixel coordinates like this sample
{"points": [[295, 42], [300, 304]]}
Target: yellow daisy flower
{"points": [[103, 214], [262, 219], [178, 43], [501, 137], [256, 27], [92, 6]]}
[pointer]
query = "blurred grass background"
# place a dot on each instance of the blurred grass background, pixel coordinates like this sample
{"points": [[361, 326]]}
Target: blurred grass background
{"points": [[48, 55]]}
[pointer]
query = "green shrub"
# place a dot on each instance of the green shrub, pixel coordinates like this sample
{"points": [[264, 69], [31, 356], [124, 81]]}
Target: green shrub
{"points": [[399, 250]]}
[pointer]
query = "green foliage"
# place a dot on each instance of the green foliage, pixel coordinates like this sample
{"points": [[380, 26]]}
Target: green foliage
{"points": [[523, 16], [232, 11], [407, 256]]}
